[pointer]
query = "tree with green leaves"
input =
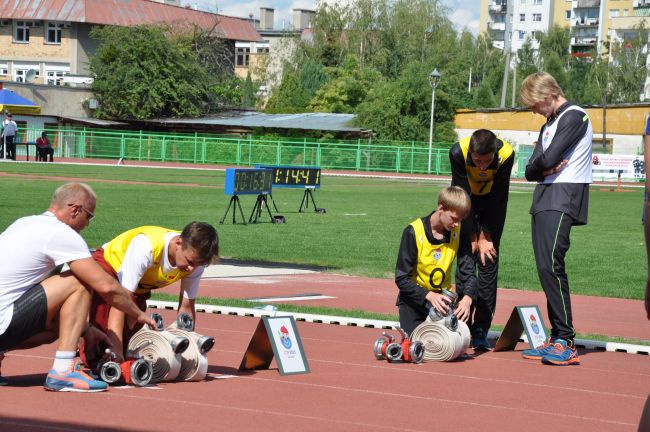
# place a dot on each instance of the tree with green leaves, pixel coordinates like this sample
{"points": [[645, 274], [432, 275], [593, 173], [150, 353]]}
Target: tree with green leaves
{"points": [[145, 72], [630, 64]]}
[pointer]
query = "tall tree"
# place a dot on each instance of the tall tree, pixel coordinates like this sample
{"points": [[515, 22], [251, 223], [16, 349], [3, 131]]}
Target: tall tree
{"points": [[148, 71], [630, 65]]}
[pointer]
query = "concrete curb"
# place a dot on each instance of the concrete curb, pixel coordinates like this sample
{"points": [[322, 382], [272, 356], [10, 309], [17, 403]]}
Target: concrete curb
{"points": [[380, 324]]}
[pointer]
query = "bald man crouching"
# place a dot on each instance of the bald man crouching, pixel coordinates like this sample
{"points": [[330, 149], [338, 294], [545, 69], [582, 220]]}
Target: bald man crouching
{"points": [[37, 308]]}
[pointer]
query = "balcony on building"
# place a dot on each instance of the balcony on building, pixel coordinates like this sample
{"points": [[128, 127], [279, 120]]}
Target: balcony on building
{"points": [[641, 4], [583, 41], [586, 22], [586, 4], [497, 26], [498, 8]]}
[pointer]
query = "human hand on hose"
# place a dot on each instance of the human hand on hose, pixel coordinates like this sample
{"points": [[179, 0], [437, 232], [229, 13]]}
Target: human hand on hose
{"points": [[486, 248], [146, 319], [463, 308], [439, 301]]}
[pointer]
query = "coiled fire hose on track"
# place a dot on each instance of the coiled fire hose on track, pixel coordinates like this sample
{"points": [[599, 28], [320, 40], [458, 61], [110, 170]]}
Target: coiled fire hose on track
{"points": [[162, 348], [440, 342], [194, 360], [443, 336]]}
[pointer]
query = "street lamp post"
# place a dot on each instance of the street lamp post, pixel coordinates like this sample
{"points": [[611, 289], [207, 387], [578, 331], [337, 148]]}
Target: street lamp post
{"points": [[434, 77]]}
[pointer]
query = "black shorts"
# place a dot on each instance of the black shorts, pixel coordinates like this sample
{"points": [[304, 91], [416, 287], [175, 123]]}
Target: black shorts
{"points": [[29, 318]]}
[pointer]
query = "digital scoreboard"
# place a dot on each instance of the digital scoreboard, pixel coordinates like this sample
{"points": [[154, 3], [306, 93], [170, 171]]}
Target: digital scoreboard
{"points": [[248, 181], [294, 176]]}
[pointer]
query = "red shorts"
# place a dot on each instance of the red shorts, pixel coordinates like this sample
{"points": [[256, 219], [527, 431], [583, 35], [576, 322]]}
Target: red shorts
{"points": [[99, 311]]}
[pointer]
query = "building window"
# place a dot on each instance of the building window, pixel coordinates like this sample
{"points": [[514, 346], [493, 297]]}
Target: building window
{"points": [[522, 35], [568, 14], [21, 31], [625, 12], [53, 33], [242, 56], [537, 2], [263, 50], [54, 77], [522, 17], [537, 17], [21, 75]]}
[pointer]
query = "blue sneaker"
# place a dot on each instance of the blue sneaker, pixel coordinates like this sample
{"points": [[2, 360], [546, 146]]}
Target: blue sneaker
{"points": [[479, 341], [539, 352], [75, 380], [562, 355]]}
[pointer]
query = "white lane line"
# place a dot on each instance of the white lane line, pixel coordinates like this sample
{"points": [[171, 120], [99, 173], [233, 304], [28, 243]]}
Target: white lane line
{"points": [[296, 298]]}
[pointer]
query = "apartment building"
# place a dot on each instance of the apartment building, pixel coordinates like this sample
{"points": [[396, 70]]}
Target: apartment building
{"points": [[47, 41], [592, 22], [264, 59]]}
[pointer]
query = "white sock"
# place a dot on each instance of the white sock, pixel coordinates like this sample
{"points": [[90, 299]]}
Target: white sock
{"points": [[63, 361]]}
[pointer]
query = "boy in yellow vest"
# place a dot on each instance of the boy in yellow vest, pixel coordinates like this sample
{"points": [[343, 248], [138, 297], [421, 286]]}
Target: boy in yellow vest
{"points": [[481, 164], [426, 255], [144, 259]]}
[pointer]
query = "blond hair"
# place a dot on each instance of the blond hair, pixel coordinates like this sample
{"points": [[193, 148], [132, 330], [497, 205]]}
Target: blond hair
{"points": [[456, 199], [538, 87], [72, 192]]}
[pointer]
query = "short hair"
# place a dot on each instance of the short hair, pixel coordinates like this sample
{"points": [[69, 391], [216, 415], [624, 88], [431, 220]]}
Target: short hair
{"points": [[538, 87], [203, 238], [456, 199], [44, 133], [69, 193], [483, 142]]}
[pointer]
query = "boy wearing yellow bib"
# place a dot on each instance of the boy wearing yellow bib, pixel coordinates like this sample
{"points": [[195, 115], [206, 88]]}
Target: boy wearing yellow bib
{"points": [[426, 255], [144, 259], [481, 164]]}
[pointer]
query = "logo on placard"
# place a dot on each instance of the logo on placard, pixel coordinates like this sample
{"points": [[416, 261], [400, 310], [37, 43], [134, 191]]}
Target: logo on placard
{"points": [[284, 337], [437, 254], [533, 324]]}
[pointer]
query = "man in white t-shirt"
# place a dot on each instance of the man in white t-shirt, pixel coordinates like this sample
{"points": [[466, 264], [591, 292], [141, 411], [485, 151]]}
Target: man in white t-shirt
{"points": [[38, 306], [144, 259]]}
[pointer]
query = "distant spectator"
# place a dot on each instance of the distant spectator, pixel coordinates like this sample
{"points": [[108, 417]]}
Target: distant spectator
{"points": [[9, 131], [44, 148]]}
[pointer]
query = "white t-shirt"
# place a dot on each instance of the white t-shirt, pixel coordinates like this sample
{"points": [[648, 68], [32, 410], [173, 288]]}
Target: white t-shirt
{"points": [[139, 257], [30, 249]]}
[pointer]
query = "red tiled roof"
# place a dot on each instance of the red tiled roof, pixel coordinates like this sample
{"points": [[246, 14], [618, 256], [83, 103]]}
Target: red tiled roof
{"points": [[126, 13]]}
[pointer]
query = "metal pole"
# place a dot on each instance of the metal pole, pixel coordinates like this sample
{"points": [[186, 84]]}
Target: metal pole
{"points": [[433, 105]]}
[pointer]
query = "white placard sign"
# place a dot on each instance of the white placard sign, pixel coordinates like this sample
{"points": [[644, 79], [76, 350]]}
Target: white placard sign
{"points": [[526, 319], [533, 325], [286, 344]]}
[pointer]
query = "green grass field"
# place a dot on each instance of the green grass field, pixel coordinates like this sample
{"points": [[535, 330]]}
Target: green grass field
{"points": [[358, 235]]}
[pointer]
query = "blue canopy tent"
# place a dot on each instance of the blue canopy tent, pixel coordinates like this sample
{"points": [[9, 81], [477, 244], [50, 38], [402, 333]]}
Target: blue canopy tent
{"points": [[12, 103]]}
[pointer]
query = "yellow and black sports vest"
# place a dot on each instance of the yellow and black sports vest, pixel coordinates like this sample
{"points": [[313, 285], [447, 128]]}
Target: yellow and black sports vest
{"points": [[154, 277], [481, 181], [433, 269]]}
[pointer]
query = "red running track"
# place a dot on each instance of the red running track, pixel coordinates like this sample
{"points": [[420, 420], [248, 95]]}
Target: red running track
{"points": [[594, 315], [347, 390]]}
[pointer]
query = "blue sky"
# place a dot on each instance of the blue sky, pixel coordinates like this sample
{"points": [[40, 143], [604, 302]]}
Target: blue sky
{"points": [[463, 14]]}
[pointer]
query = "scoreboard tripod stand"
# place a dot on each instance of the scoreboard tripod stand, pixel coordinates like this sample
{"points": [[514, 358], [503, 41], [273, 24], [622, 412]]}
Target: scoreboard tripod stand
{"points": [[309, 195], [235, 203], [261, 203]]}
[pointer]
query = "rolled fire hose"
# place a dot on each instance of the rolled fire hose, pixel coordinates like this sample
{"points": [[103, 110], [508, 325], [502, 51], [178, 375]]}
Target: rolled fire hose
{"points": [[440, 342], [162, 348], [194, 360]]}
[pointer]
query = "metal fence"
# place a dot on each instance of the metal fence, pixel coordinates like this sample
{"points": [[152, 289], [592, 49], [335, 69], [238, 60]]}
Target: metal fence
{"points": [[360, 155]]}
